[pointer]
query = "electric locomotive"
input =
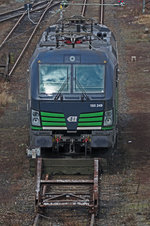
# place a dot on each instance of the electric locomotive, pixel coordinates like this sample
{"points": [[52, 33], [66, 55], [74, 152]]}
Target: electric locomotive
{"points": [[73, 87]]}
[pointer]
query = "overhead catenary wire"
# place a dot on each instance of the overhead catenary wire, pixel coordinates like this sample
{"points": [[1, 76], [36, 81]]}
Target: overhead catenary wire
{"points": [[95, 4]]}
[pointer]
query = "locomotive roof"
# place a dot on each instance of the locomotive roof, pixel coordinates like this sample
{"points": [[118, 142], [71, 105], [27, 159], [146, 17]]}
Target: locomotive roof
{"points": [[79, 33]]}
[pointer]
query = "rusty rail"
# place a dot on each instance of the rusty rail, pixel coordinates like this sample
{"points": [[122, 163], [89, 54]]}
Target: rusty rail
{"points": [[80, 198], [19, 20], [95, 186], [21, 9], [12, 30], [101, 12], [36, 220], [39, 171], [31, 36], [44, 188], [84, 8], [92, 220], [22, 16], [66, 182]]}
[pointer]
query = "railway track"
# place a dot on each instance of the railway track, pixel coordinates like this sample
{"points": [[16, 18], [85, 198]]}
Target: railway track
{"points": [[20, 11], [101, 9], [68, 189], [33, 28]]}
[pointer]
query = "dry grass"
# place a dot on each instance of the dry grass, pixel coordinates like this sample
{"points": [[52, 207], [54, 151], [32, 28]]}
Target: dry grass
{"points": [[5, 97], [143, 19]]}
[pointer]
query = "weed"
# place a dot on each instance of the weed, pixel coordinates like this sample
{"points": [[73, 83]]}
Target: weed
{"points": [[5, 97]]}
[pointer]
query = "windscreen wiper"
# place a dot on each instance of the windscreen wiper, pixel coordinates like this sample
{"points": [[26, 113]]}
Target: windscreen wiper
{"points": [[61, 89], [82, 90]]}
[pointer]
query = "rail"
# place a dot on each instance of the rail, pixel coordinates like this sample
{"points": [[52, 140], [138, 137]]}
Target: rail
{"points": [[49, 6], [83, 8], [12, 30], [18, 12], [47, 197], [101, 12], [17, 23]]}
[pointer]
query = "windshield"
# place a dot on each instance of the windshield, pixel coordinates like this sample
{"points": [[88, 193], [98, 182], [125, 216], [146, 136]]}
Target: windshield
{"points": [[53, 77], [90, 78], [67, 78]]}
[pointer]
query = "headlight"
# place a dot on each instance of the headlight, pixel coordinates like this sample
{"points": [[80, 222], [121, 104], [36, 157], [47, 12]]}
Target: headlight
{"points": [[35, 117], [108, 118]]}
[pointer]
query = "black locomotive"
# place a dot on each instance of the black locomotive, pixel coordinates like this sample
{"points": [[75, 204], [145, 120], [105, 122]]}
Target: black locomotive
{"points": [[73, 87]]}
